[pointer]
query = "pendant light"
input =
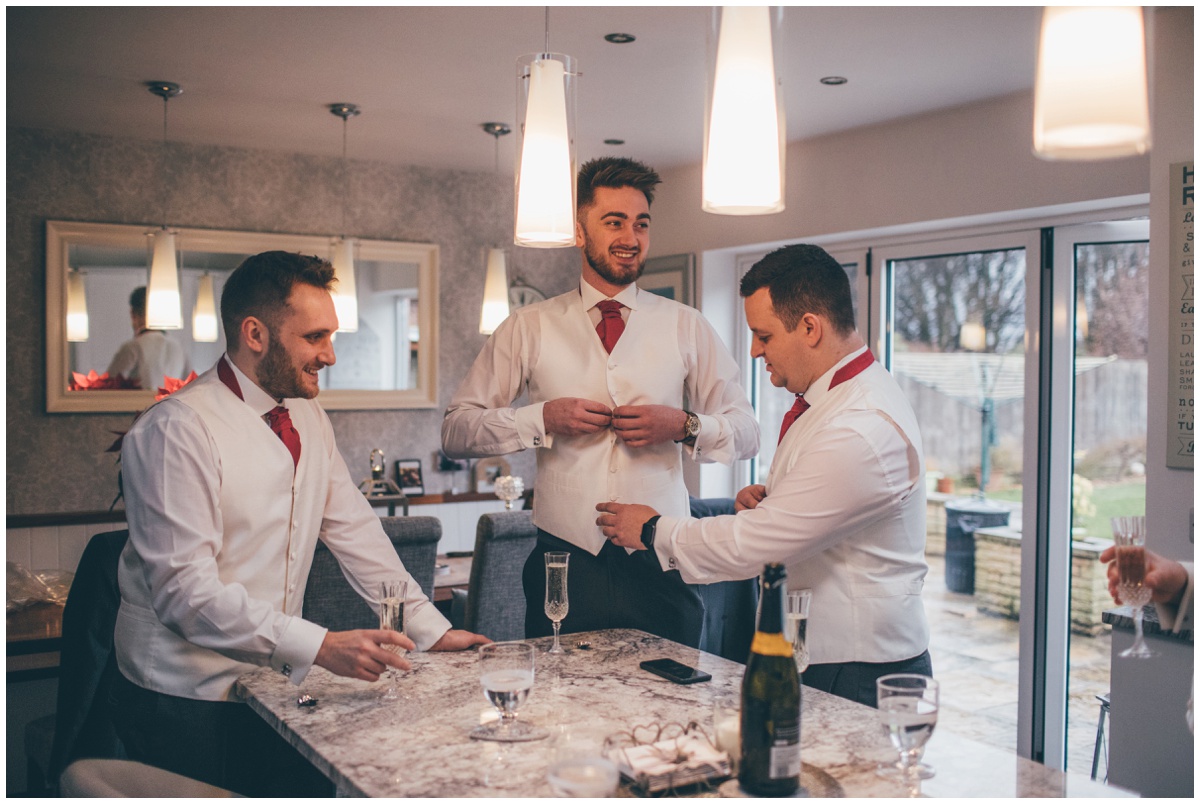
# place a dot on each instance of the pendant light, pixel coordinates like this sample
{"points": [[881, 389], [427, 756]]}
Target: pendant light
{"points": [[495, 286], [1090, 96], [345, 292], [745, 136], [77, 314], [204, 316], [164, 310], [545, 169]]}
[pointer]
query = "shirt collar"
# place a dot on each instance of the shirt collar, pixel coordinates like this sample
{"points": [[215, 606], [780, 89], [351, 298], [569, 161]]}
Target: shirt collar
{"points": [[821, 385], [591, 297], [259, 400]]}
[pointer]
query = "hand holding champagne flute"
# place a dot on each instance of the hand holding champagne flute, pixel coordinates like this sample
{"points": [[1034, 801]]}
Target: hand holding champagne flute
{"points": [[392, 595], [1129, 536]]}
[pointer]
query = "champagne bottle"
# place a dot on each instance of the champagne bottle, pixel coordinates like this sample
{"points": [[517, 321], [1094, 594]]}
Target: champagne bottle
{"points": [[770, 764]]}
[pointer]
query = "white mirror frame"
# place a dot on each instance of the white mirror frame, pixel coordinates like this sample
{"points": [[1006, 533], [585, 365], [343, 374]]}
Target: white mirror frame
{"points": [[61, 235]]}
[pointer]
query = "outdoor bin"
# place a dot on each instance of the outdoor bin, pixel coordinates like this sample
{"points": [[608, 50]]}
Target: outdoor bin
{"points": [[964, 516]]}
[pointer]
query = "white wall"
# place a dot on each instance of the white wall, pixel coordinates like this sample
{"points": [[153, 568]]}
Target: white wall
{"points": [[970, 160]]}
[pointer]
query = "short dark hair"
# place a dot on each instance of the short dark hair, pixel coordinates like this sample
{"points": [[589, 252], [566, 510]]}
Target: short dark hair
{"points": [[803, 279], [137, 301], [615, 172], [260, 287]]}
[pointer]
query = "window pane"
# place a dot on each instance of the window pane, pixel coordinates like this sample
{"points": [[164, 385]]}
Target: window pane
{"points": [[958, 323], [1111, 346]]}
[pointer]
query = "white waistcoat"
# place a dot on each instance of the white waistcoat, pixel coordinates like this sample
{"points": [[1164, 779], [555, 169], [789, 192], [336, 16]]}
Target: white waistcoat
{"points": [[581, 471]]}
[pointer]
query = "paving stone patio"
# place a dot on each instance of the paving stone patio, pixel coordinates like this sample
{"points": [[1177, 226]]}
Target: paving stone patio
{"points": [[975, 659]]}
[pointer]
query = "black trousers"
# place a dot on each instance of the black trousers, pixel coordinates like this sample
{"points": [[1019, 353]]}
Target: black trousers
{"points": [[612, 590], [856, 680], [219, 742]]}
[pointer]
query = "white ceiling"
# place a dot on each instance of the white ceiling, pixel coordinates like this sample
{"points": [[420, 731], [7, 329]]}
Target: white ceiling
{"points": [[426, 77]]}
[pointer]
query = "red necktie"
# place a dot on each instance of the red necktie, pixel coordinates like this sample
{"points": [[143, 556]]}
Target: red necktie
{"points": [[281, 425], [851, 369], [790, 417], [278, 417], [611, 325]]}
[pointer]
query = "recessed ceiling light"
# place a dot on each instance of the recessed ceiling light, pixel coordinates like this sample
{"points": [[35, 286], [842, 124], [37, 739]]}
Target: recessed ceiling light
{"points": [[614, 142], [620, 38], [834, 80]]}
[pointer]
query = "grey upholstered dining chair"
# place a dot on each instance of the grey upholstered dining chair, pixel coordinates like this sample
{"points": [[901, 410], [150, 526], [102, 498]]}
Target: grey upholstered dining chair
{"points": [[495, 599], [331, 601]]}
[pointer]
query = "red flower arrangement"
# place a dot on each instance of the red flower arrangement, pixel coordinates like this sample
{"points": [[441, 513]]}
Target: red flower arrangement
{"points": [[100, 382]]}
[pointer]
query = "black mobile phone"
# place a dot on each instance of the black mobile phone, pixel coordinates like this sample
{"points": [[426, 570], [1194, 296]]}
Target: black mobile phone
{"points": [[675, 671]]}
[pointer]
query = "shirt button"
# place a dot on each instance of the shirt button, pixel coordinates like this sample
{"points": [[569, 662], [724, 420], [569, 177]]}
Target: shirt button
{"points": [[292, 555]]}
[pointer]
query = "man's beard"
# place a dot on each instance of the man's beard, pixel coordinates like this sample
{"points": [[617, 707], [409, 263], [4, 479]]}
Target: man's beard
{"points": [[279, 378], [608, 272]]}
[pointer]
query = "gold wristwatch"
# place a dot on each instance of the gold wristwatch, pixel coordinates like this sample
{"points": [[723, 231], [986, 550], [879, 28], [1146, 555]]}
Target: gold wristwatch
{"points": [[691, 429]]}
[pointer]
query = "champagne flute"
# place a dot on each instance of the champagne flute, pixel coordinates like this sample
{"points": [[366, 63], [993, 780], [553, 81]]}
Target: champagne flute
{"points": [[556, 593], [1129, 534], [506, 673], [392, 595], [796, 625], [908, 710]]}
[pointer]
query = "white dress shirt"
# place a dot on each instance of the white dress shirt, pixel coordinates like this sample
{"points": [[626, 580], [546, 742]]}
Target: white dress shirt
{"points": [[222, 531], [667, 355], [845, 510], [149, 357]]}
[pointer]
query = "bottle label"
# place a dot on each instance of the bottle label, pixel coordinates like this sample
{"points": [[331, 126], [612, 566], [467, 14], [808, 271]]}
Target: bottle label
{"points": [[785, 752]]}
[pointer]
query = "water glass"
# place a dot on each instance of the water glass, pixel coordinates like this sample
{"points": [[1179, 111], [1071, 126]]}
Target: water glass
{"points": [[579, 769], [727, 731], [908, 711], [796, 624], [506, 673]]}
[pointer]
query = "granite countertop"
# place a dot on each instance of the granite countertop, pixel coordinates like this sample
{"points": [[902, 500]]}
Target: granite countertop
{"points": [[417, 746], [1122, 618]]}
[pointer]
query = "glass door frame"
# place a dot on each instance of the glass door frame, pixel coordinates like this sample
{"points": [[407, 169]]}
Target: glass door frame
{"points": [[1045, 558]]}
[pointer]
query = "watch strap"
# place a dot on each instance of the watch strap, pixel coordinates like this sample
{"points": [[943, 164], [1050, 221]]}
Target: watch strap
{"points": [[649, 528]]}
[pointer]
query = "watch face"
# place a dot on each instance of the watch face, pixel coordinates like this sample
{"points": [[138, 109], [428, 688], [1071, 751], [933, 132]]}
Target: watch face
{"points": [[521, 295]]}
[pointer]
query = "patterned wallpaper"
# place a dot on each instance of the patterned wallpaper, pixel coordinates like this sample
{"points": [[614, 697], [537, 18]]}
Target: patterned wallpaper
{"points": [[57, 462]]}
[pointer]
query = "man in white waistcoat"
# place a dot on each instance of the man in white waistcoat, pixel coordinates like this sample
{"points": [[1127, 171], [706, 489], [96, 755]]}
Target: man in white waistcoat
{"points": [[844, 502], [229, 483], [621, 385]]}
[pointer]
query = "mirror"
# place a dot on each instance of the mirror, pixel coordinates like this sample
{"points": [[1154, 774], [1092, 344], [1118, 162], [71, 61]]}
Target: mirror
{"points": [[390, 362]]}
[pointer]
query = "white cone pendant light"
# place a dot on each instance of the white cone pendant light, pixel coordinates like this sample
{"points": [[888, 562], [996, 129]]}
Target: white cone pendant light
{"points": [[164, 308], [1090, 95], [204, 316], [77, 314]]}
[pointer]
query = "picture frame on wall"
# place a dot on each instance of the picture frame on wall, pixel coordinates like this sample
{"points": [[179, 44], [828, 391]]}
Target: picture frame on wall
{"points": [[409, 476], [672, 277], [486, 471]]}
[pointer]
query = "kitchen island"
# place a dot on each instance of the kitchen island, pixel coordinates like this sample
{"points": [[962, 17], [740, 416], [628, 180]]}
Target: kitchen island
{"points": [[418, 745]]}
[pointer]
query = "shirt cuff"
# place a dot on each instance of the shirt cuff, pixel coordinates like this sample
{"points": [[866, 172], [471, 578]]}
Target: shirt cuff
{"points": [[704, 450], [531, 427], [297, 648], [426, 627]]}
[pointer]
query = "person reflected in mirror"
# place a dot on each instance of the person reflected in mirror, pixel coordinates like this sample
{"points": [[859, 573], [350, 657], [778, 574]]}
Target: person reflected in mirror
{"points": [[622, 386], [229, 483], [844, 501], [151, 354], [1172, 586]]}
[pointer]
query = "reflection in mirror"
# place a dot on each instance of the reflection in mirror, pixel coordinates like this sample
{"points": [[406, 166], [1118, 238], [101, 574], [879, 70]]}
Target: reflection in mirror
{"points": [[390, 362]]}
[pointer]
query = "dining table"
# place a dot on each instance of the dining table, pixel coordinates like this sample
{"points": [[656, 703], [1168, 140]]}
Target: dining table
{"points": [[418, 744]]}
